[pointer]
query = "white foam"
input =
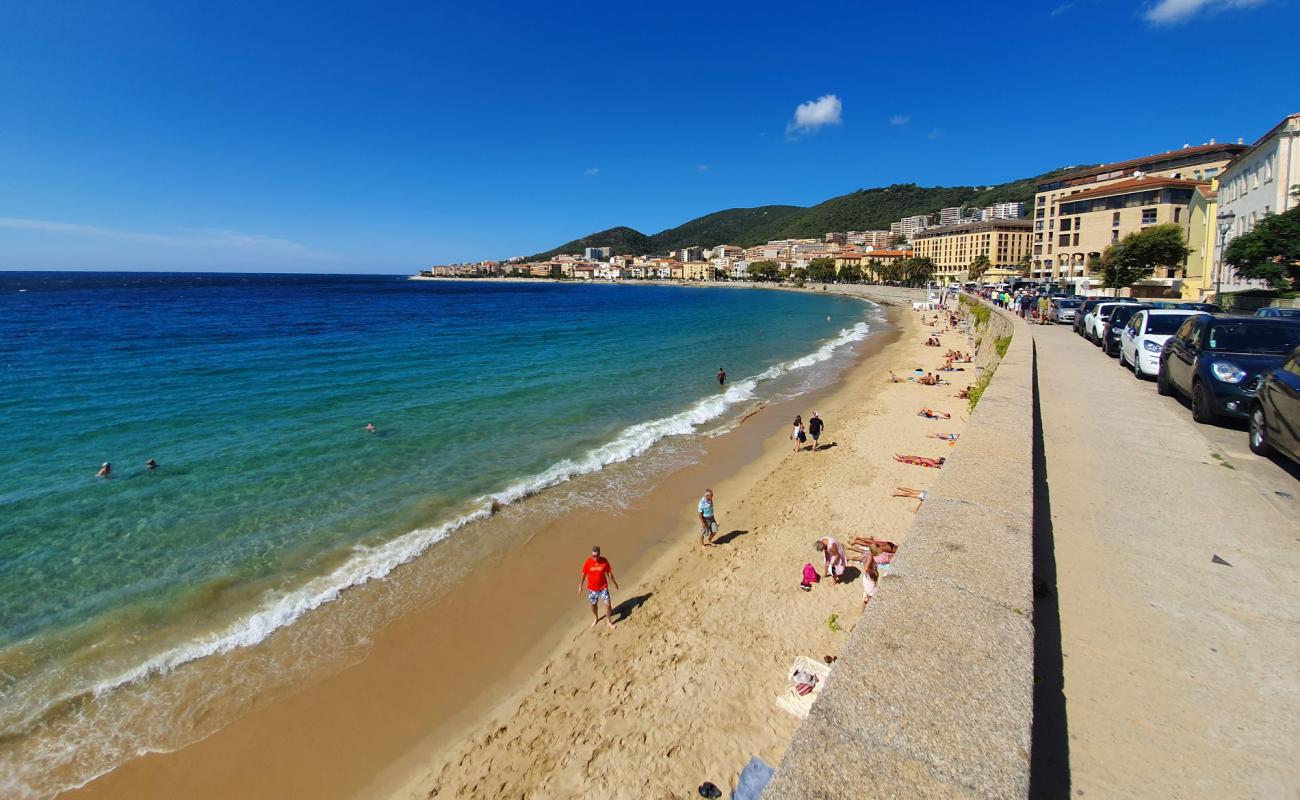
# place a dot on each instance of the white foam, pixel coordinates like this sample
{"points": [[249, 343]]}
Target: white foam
{"points": [[371, 563]]}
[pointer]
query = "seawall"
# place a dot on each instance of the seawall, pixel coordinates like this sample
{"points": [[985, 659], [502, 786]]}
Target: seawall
{"points": [[932, 695]]}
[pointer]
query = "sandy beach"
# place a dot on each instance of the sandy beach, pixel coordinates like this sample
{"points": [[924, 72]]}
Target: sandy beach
{"points": [[682, 690], [499, 687]]}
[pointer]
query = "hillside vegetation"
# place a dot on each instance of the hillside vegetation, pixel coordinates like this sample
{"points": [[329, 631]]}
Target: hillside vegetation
{"points": [[865, 209]]}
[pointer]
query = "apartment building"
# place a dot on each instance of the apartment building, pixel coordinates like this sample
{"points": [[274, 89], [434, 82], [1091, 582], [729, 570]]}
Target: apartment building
{"points": [[697, 271], [881, 239], [908, 226], [596, 253], [1200, 163], [952, 216], [1005, 242], [1259, 182], [1202, 238], [1089, 221], [872, 261], [1003, 211]]}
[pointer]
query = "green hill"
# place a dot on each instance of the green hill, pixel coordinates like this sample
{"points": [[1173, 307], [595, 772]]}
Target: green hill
{"points": [[863, 210]]}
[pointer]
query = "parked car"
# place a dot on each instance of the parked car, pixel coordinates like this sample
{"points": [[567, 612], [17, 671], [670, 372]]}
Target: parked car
{"points": [[1092, 327], [1208, 308], [1143, 338], [1081, 313], [1065, 308], [1110, 332], [1294, 313], [1275, 414], [1217, 361]]}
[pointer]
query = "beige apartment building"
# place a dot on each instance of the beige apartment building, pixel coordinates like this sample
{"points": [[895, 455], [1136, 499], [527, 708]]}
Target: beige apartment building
{"points": [[1089, 221], [869, 261], [1196, 164], [1005, 242]]}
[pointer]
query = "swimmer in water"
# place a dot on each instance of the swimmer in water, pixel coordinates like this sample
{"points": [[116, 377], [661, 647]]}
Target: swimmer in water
{"points": [[151, 464], [722, 376], [105, 470], [370, 427]]}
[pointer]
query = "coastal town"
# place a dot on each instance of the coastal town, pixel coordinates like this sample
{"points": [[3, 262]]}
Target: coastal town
{"points": [[1213, 192]]}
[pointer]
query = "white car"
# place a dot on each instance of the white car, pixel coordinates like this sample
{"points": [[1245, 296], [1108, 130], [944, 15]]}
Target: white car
{"points": [[1145, 335], [1094, 322]]}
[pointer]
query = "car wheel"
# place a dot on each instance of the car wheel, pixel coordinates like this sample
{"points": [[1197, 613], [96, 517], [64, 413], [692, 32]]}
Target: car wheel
{"points": [[1162, 381], [1258, 432], [1137, 370], [1202, 407]]}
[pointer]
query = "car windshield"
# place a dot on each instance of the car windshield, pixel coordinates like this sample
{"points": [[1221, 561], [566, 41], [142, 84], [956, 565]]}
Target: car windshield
{"points": [[1123, 314], [1253, 337], [1164, 324], [1070, 304], [1280, 312]]}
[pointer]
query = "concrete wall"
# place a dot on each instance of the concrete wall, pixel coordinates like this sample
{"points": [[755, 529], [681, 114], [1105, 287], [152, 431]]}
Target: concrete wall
{"points": [[933, 693]]}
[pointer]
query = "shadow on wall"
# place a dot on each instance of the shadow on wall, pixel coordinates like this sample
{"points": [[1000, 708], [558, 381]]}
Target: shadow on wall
{"points": [[1049, 762]]}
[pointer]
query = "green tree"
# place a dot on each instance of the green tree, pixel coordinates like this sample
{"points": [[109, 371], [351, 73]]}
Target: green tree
{"points": [[821, 270], [1138, 255], [1270, 252], [799, 275], [1026, 266], [978, 267], [556, 272], [850, 273], [917, 271], [763, 270]]}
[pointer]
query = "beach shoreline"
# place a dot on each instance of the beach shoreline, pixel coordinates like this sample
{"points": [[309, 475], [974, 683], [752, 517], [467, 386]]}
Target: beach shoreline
{"points": [[370, 767]]}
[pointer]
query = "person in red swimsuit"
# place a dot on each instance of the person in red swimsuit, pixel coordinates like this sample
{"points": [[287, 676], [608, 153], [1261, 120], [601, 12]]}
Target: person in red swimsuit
{"points": [[597, 574]]}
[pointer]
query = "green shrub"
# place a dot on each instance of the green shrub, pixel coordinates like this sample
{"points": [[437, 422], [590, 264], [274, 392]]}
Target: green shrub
{"points": [[1002, 345]]}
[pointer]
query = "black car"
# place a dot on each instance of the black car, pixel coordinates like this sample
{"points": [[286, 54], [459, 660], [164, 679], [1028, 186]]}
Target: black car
{"points": [[1275, 414], [1217, 361], [1119, 317]]}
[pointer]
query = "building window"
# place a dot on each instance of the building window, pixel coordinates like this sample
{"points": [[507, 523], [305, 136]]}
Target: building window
{"points": [[1049, 248], [1076, 240], [1066, 224], [1268, 169], [1178, 213], [1063, 240], [1114, 236], [1148, 216], [1041, 200], [1254, 174], [1114, 220]]}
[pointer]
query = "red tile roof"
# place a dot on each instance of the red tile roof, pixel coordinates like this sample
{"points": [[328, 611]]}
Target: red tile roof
{"points": [[1229, 149], [1145, 182]]}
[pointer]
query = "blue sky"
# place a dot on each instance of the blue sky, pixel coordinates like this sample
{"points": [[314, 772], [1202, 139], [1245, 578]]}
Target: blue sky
{"points": [[384, 137]]}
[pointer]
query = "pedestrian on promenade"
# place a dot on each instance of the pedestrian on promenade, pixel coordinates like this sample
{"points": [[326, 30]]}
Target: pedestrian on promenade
{"points": [[797, 433], [597, 574], [815, 427], [708, 525]]}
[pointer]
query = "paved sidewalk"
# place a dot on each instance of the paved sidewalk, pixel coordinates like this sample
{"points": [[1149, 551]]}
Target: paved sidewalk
{"points": [[1181, 675]]}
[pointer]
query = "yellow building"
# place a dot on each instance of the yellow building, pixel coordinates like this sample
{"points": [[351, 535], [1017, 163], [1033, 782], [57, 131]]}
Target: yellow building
{"points": [[1200, 163], [697, 270], [1090, 221], [952, 248], [1202, 231], [870, 262]]}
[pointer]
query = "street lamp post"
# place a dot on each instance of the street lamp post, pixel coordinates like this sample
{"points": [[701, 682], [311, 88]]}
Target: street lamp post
{"points": [[1225, 224]]}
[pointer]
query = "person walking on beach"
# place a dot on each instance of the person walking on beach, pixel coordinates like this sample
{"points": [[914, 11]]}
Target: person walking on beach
{"points": [[597, 574], [722, 376], [815, 426], [708, 525], [797, 433], [834, 556]]}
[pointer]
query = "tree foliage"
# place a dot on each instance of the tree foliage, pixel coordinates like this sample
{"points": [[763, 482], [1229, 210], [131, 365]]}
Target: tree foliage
{"points": [[763, 271], [978, 267], [1136, 256], [821, 270], [1270, 252], [850, 273]]}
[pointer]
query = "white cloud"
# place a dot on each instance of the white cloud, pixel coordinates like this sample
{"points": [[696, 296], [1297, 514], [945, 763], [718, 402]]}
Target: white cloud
{"points": [[1172, 12], [813, 115], [899, 119], [934, 133], [1061, 9], [203, 239], [592, 172]]}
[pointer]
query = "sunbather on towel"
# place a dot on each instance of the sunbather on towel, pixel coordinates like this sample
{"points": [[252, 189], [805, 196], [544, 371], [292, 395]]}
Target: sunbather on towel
{"points": [[932, 414], [920, 461], [947, 437], [903, 491]]}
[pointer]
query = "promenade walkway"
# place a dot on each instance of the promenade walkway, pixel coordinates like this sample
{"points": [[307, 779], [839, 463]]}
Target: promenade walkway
{"points": [[1181, 674]]}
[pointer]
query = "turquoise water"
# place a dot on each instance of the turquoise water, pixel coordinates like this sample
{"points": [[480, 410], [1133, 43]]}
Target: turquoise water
{"points": [[252, 393]]}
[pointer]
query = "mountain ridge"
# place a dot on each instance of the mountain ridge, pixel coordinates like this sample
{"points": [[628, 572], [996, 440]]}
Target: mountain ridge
{"points": [[863, 209]]}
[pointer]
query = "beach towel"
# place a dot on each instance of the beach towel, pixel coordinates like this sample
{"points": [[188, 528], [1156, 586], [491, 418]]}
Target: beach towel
{"points": [[753, 780], [803, 672]]}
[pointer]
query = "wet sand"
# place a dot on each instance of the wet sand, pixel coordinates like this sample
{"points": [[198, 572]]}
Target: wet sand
{"points": [[496, 687]]}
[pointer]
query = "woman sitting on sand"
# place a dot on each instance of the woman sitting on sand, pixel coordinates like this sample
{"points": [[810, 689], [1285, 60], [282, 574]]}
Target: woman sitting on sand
{"points": [[964, 394], [893, 378], [930, 413], [917, 494], [920, 461], [928, 380]]}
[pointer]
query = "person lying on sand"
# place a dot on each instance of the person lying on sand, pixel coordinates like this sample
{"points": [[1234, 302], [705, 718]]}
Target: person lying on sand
{"points": [[930, 413], [918, 494], [920, 461], [947, 437], [893, 378], [859, 542]]}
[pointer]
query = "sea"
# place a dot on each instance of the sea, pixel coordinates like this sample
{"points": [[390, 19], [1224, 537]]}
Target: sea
{"points": [[252, 393]]}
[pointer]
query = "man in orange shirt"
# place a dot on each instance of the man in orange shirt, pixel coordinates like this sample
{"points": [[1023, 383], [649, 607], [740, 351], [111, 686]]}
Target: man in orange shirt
{"points": [[596, 576]]}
